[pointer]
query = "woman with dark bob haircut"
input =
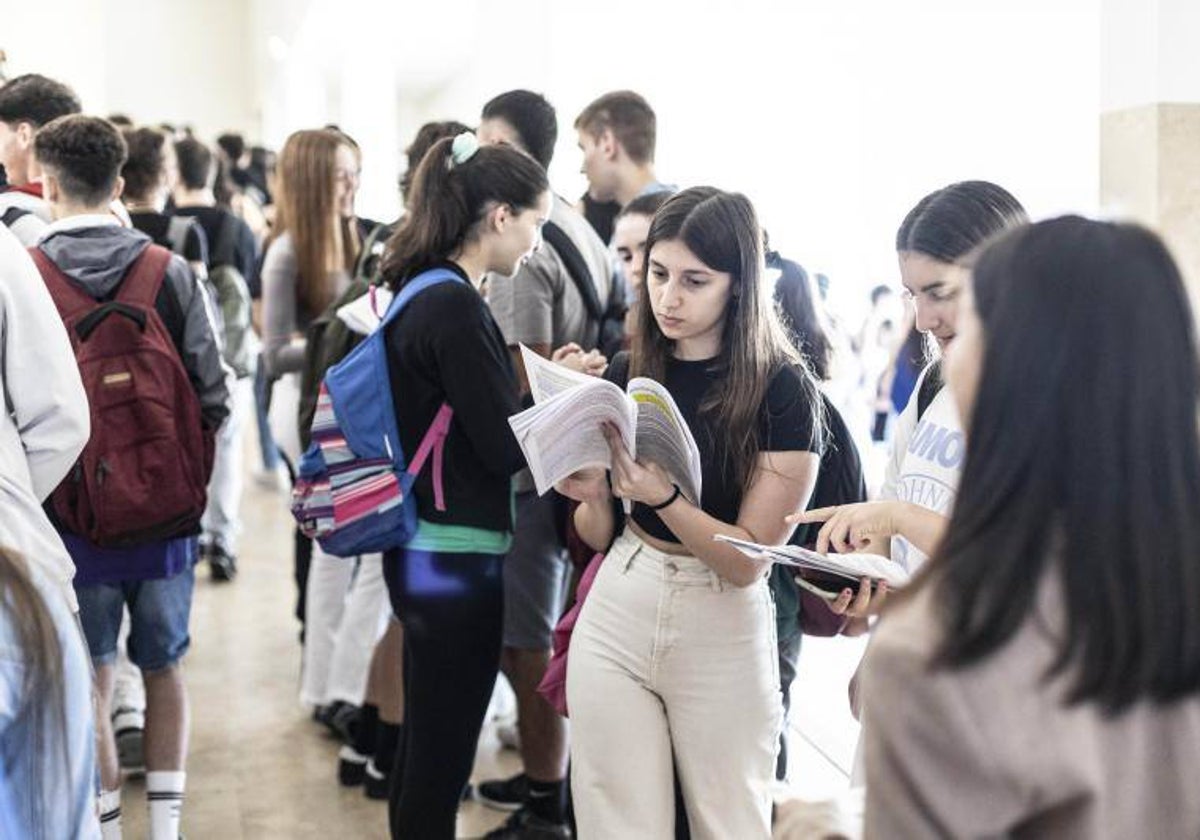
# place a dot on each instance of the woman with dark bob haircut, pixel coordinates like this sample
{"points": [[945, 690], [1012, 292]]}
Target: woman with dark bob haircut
{"points": [[1042, 676]]}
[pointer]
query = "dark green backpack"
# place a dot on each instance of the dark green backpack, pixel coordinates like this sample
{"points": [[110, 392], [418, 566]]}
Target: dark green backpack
{"points": [[238, 347], [328, 340]]}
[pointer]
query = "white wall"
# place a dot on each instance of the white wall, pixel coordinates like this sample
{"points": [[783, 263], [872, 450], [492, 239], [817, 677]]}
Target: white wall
{"points": [[180, 61], [1149, 52], [834, 118]]}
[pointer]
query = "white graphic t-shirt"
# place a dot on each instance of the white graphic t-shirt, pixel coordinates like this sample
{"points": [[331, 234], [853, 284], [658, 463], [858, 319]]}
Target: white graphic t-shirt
{"points": [[925, 465]]}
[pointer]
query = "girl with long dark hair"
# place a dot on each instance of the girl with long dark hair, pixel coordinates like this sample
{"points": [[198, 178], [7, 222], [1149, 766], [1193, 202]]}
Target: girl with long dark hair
{"points": [[674, 654], [936, 236], [1042, 679], [934, 241], [471, 211]]}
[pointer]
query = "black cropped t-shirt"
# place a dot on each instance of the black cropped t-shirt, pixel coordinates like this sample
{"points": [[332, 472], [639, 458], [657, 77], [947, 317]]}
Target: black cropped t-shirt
{"points": [[788, 422]]}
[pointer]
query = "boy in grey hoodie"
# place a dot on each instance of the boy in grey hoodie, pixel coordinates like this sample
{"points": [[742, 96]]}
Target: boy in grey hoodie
{"points": [[81, 159]]}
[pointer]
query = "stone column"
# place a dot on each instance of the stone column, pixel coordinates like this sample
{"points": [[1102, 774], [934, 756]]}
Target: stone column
{"points": [[1150, 121]]}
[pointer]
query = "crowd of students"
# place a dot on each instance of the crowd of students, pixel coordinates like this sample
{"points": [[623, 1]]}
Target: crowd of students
{"points": [[1039, 677]]}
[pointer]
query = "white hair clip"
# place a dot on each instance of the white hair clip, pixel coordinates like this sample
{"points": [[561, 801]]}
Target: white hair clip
{"points": [[464, 148]]}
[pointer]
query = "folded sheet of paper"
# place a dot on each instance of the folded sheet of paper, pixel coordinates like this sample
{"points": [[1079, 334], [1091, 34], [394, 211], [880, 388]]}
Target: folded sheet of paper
{"points": [[852, 567], [563, 432], [363, 314]]}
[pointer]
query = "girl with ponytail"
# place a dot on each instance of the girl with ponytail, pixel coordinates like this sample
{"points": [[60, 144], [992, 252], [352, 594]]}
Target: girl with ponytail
{"points": [[472, 210]]}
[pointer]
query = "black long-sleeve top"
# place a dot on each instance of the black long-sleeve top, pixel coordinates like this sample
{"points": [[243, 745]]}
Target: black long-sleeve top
{"points": [[446, 347]]}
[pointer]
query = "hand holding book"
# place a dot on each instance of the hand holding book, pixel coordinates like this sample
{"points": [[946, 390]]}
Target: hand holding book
{"points": [[568, 428], [824, 574], [842, 567], [632, 481], [588, 486]]}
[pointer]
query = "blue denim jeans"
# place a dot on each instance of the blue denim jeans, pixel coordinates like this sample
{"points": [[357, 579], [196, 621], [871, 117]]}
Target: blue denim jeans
{"points": [[159, 611], [262, 402]]}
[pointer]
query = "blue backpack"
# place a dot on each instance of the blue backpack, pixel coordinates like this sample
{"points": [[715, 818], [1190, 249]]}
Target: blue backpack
{"points": [[353, 491]]}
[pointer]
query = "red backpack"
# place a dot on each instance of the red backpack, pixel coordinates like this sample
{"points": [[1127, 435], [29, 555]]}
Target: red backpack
{"points": [[143, 475]]}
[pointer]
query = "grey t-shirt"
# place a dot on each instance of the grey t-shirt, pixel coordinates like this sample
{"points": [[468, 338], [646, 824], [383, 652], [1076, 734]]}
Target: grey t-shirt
{"points": [[541, 303], [283, 317]]}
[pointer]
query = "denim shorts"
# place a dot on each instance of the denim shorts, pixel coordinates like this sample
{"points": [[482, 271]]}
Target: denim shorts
{"points": [[536, 574], [159, 611]]}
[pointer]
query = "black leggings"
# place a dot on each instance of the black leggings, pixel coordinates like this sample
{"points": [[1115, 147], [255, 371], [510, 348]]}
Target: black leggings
{"points": [[452, 607]]}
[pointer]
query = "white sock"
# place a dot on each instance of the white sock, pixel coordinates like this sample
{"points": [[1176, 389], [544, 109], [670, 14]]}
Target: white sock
{"points": [[110, 815], [164, 792]]}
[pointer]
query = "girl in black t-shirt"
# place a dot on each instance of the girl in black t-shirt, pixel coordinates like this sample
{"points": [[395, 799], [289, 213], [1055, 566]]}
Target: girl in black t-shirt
{"points": [[674, 655], [472, 210]]}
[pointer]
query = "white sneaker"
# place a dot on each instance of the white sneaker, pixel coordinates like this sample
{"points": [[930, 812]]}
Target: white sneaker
{"points": [[508, 735], [276, 480]]}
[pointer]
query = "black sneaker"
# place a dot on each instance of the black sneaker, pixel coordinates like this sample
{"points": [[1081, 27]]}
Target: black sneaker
{"points": [[352, 767], [504, 794], [525, 825], [345, 722], [376, 785], [335, 717], [221, 564]]}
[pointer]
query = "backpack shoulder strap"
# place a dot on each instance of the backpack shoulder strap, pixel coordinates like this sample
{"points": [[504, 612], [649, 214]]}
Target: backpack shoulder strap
{"points": [[362, 266], [567, 250], [930, 386], [414, 287], [177, 232], [13, 214], [222, 250], [145, 277], [71, 300]]}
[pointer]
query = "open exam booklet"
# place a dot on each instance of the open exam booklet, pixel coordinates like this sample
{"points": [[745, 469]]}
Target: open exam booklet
{"points": [[851, 567], [563, 432]]}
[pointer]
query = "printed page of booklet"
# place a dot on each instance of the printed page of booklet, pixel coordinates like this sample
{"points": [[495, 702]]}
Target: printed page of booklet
{"points": [[563, 432], [663, 436], [852, 567], [548, 379]]}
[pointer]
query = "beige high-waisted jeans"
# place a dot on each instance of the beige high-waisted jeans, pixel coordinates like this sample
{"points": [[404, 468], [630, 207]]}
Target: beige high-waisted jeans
{"points": [[668, 660]]}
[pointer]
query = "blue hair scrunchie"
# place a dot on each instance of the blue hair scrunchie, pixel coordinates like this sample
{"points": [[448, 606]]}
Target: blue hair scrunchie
{"points": [[463, 148]]}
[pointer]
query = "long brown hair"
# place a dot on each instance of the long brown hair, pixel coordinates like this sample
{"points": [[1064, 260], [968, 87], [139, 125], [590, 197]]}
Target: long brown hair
{"points": [[722, 230], [41, 709], [448, 199], [305, 190]]}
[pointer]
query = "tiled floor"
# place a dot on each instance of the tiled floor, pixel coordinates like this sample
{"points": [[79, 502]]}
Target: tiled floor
{"points": [[260, 768]]}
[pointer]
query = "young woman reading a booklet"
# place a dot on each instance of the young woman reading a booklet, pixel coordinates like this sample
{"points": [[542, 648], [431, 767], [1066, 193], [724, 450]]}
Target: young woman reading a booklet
{"points": [[674, 653]]}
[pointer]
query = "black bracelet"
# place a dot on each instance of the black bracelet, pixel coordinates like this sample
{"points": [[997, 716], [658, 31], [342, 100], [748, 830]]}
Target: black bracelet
{"points": [[669, 501]]}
